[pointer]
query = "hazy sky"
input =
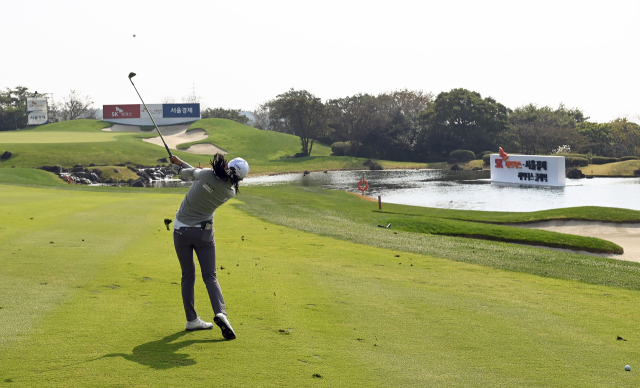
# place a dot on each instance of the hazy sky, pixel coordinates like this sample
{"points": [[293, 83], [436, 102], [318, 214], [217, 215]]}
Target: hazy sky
{"points": [[238, 54]]}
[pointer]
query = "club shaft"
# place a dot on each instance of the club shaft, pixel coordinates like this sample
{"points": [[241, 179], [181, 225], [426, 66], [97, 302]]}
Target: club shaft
{"points": [[151, 117]]}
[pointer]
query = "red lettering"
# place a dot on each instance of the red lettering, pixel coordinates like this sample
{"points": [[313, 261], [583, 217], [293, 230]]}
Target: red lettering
{"points": [[498, 163]]}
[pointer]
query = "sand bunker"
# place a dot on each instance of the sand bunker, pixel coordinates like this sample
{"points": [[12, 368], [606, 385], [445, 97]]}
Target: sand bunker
{"points": [[174, 135], [625, 235]]}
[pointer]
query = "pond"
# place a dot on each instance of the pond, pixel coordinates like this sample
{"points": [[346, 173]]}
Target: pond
{"points": [[465, 190]]}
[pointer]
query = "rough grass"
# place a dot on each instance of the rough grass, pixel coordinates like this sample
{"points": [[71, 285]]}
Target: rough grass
{"points": [[106, 311], [503, 233], [29, 177], [625, 168], [343, 216]]}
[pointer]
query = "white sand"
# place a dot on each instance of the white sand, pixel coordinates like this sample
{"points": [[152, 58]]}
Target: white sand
{"points": [[174, 135], [625, 235]]}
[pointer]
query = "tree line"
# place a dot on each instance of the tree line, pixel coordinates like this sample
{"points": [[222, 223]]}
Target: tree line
{"points": [[413, 125], [401, 125]]}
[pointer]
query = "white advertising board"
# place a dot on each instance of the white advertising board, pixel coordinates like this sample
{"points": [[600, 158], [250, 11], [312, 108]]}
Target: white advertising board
{"points": [[532, 170], [36, 111], [155, 109]]}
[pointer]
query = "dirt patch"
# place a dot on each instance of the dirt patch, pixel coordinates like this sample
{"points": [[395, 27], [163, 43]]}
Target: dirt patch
{"points": [[363, 197]]}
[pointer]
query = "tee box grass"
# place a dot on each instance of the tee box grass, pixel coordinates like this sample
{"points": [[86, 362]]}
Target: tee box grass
{"points": [[90, 296]]}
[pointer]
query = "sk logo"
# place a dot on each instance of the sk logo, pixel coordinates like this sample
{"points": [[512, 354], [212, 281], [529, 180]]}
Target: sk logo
{"points": [[498, 163]]}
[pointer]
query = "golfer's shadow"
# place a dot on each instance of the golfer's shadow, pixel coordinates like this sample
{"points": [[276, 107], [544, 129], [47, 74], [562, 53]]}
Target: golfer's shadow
{"points": [[162, 354]]}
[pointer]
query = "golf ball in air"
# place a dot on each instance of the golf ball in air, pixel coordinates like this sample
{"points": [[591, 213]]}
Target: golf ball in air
{"points": [[627, 368], [134, 35]]}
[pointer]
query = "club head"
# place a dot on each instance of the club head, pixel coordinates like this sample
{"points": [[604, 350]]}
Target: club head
{"points": [[131, 75]]}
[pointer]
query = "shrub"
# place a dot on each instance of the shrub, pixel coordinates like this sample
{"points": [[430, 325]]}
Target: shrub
{"points": [[365, 152], [372, 165], [622, 159], [339, 148], [462, 155], [480, 155], [603, 160], [575, 161], [486, 159]]}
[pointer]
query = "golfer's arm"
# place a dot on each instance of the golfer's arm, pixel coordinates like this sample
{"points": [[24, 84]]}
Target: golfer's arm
{"points": [[187, 170]]}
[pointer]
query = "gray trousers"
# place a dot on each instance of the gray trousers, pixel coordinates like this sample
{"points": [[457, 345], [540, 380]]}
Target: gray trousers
{"points": [[186, 240]]}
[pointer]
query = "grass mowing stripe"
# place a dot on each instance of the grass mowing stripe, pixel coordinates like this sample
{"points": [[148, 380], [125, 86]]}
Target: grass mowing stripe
{"points": [[57, 137], [342, 216], [51, 242]]}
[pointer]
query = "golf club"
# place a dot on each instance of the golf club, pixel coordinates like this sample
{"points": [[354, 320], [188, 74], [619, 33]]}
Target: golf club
{"points": [[131, 75]]}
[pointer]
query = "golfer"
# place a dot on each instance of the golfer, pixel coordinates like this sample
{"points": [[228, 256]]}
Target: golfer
{"points": [[193, 230]]}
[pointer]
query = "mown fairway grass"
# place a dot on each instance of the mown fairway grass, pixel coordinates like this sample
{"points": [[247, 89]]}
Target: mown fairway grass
{"points": [[106, 311], [83, 142]]}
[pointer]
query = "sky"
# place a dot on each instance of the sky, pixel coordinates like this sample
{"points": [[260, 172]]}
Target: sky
{"points": [[240, 54]]}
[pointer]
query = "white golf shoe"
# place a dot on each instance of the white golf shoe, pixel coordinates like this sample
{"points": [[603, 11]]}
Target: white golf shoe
{"points": [[224, 325], [199, 324]]}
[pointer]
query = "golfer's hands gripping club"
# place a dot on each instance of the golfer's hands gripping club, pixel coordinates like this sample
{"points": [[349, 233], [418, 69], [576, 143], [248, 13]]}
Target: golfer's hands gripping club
{"points": [[176, 164], [176, 160]]}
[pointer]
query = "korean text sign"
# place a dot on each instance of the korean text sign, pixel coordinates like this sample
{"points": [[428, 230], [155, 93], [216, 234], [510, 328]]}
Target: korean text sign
{"points": [[533, 170], [181, 110]]}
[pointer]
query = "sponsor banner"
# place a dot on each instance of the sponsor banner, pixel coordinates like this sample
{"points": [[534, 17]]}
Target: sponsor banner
{"points": [[36, 104], [124, 111], [155, 109], [181, 110], [532, 170], [37, 118], [36, 111]]}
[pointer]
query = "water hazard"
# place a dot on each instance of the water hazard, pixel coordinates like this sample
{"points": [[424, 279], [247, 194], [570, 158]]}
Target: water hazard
{"points": [[463, 190]]}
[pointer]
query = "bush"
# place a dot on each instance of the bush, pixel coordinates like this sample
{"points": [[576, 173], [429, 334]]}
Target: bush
{"points": [[603, 160], [340, 148], [462, 155], [622, 159], [480, 155], [372, 165], [365, 152], [486, 159], [573, 161]]}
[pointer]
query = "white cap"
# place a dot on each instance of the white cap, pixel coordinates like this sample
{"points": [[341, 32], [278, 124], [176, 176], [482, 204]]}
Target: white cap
{"points": [[241, 166]]}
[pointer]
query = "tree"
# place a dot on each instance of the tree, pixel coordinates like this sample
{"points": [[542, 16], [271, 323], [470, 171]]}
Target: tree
{"points": [[13, 108], [355, 119], [599, 138], [221, 113], [260, 118], [166, 99], [402, 128], [76, 106], [300, 112], [540, 130], [626, 137], [462, 119]]}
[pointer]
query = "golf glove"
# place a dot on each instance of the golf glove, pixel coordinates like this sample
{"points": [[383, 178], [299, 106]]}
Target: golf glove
{"points": [[175, 168]]}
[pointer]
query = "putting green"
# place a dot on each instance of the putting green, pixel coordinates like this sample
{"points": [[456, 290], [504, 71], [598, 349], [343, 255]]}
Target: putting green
{"points": [[56, 137]]}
